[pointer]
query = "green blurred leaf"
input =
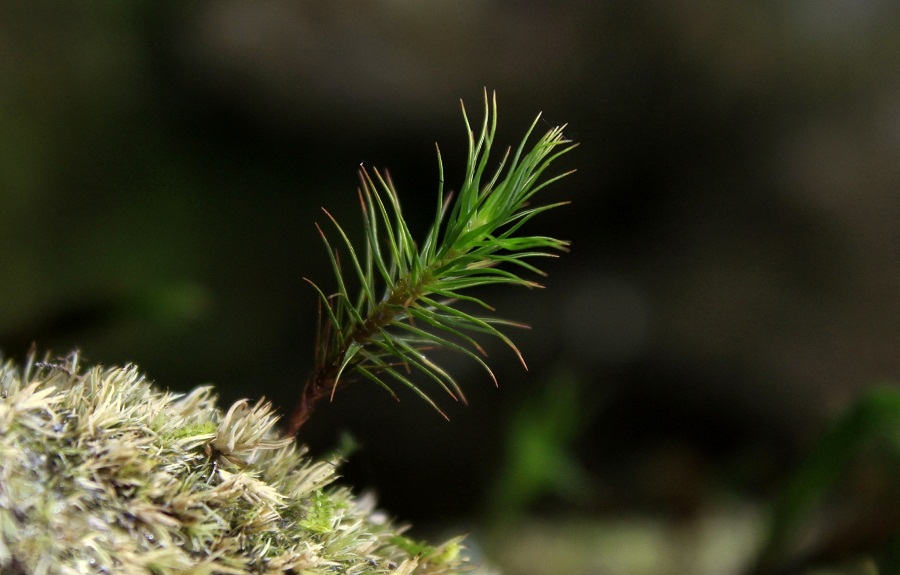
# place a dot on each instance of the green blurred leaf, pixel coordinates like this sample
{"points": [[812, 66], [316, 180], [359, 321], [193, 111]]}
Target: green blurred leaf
{"points": [[875, 417], [537, 451]]}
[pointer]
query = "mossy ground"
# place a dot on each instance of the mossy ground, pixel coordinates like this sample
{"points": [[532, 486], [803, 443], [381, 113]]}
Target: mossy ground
{"points": [[103, 472]]}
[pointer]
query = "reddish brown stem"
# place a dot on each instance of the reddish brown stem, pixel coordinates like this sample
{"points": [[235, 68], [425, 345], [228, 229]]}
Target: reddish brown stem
{"points": [[321, 383], [317, 387]]}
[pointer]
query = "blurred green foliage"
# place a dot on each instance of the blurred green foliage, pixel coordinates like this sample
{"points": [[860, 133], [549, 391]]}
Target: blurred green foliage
{"points": [[816, 519], [538, 457]]}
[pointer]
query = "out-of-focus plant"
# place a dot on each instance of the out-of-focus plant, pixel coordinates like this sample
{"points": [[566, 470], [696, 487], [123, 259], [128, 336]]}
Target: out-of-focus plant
{"points": [[537, 459], [817, 520]]}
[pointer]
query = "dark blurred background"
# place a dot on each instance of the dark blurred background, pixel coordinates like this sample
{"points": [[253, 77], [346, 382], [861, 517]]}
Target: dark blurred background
{"points": [[735, 222]]}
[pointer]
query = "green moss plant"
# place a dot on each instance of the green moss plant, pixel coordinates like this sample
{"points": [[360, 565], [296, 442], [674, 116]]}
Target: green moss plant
{"points": [[405, 303], [103, 472]]}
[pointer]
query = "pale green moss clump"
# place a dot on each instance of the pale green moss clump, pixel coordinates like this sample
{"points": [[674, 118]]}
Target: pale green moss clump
{"points": [[101, 472]]}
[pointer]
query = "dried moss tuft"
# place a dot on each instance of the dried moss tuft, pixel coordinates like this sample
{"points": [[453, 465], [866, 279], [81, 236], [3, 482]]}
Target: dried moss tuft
{"points": [[101, 472]]}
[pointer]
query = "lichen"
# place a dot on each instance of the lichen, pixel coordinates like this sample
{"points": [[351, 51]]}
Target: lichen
{"points": [[103, 472]]}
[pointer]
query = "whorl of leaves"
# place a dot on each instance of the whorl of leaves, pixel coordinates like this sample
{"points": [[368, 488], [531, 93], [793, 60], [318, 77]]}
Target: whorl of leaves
{"points": [[408, 291]]}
